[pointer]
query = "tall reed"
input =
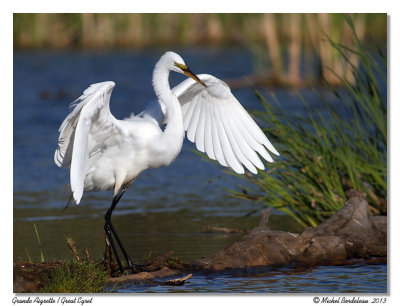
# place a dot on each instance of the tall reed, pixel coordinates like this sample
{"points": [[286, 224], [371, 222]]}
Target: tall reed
{"points": [[323, 155]]}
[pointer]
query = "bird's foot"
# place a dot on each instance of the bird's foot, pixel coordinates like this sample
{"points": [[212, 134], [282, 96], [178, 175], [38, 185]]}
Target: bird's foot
{"points": [[136, 268]]}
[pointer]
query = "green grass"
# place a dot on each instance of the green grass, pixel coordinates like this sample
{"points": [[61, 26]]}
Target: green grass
{"points": [[323, 156], [73, 276], [76, 277], [40, 244]]}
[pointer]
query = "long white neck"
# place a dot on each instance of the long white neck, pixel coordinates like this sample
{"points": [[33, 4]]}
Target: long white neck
{"points": [[173, 134]]}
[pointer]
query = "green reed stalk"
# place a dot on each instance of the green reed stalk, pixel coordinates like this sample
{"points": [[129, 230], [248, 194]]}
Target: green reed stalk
{"points": [[322, 156], [40, 244]]}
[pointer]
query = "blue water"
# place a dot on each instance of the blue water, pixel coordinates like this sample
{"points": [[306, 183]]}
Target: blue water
{"points": [[165, 208], [45, 83], [323, 279]]}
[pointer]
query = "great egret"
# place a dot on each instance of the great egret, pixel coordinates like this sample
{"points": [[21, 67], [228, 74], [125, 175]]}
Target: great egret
{"points": [[104, 153]]}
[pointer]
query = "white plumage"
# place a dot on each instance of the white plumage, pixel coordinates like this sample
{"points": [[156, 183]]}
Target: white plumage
{"points": [[104, 153]]}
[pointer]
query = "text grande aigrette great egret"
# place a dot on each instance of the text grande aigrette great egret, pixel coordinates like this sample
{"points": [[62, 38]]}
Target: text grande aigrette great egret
{"points": [[104, 153]]}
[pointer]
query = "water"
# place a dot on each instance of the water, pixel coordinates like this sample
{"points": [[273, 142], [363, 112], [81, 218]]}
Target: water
{"points": [[324, 279], [167, 208]]}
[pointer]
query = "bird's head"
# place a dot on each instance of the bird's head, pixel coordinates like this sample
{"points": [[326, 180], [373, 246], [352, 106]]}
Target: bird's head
{"points": [[177, 64]]}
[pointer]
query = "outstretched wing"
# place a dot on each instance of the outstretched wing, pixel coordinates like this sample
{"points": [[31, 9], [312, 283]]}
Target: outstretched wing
{"points": [[219, 126], [90, 109]]}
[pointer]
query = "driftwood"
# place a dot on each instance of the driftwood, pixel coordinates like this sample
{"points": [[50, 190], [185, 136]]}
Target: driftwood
{"points": [[142, 277], [350, 233]]}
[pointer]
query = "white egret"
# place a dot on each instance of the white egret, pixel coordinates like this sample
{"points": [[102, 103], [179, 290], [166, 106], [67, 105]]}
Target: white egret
{"points": [[104, 153]]}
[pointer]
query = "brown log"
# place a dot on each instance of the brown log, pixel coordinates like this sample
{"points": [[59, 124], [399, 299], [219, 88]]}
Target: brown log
{"points": [[350, 233]]}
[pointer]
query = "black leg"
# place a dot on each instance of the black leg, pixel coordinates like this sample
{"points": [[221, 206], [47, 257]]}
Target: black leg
{"points": [[109, 229]]}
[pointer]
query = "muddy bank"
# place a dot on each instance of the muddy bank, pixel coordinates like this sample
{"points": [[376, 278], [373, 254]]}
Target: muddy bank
{"points": [[352, 233], [30, 277]]}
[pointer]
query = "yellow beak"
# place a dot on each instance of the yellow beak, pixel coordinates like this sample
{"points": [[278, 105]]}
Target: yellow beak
{"points": [[193, 76], [189, 73]]}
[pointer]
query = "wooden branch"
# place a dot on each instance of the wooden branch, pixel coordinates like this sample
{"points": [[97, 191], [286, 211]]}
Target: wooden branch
{"points": [[177, 281]]}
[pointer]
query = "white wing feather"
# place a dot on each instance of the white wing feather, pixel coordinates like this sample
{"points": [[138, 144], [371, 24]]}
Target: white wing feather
{"points": [[216, 139], [92, 107], [191, 130], [219, 126], [208, 143]]}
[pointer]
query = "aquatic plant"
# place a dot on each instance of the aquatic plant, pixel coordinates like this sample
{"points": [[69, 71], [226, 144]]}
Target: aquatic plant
{"points": [[324, 155]]}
